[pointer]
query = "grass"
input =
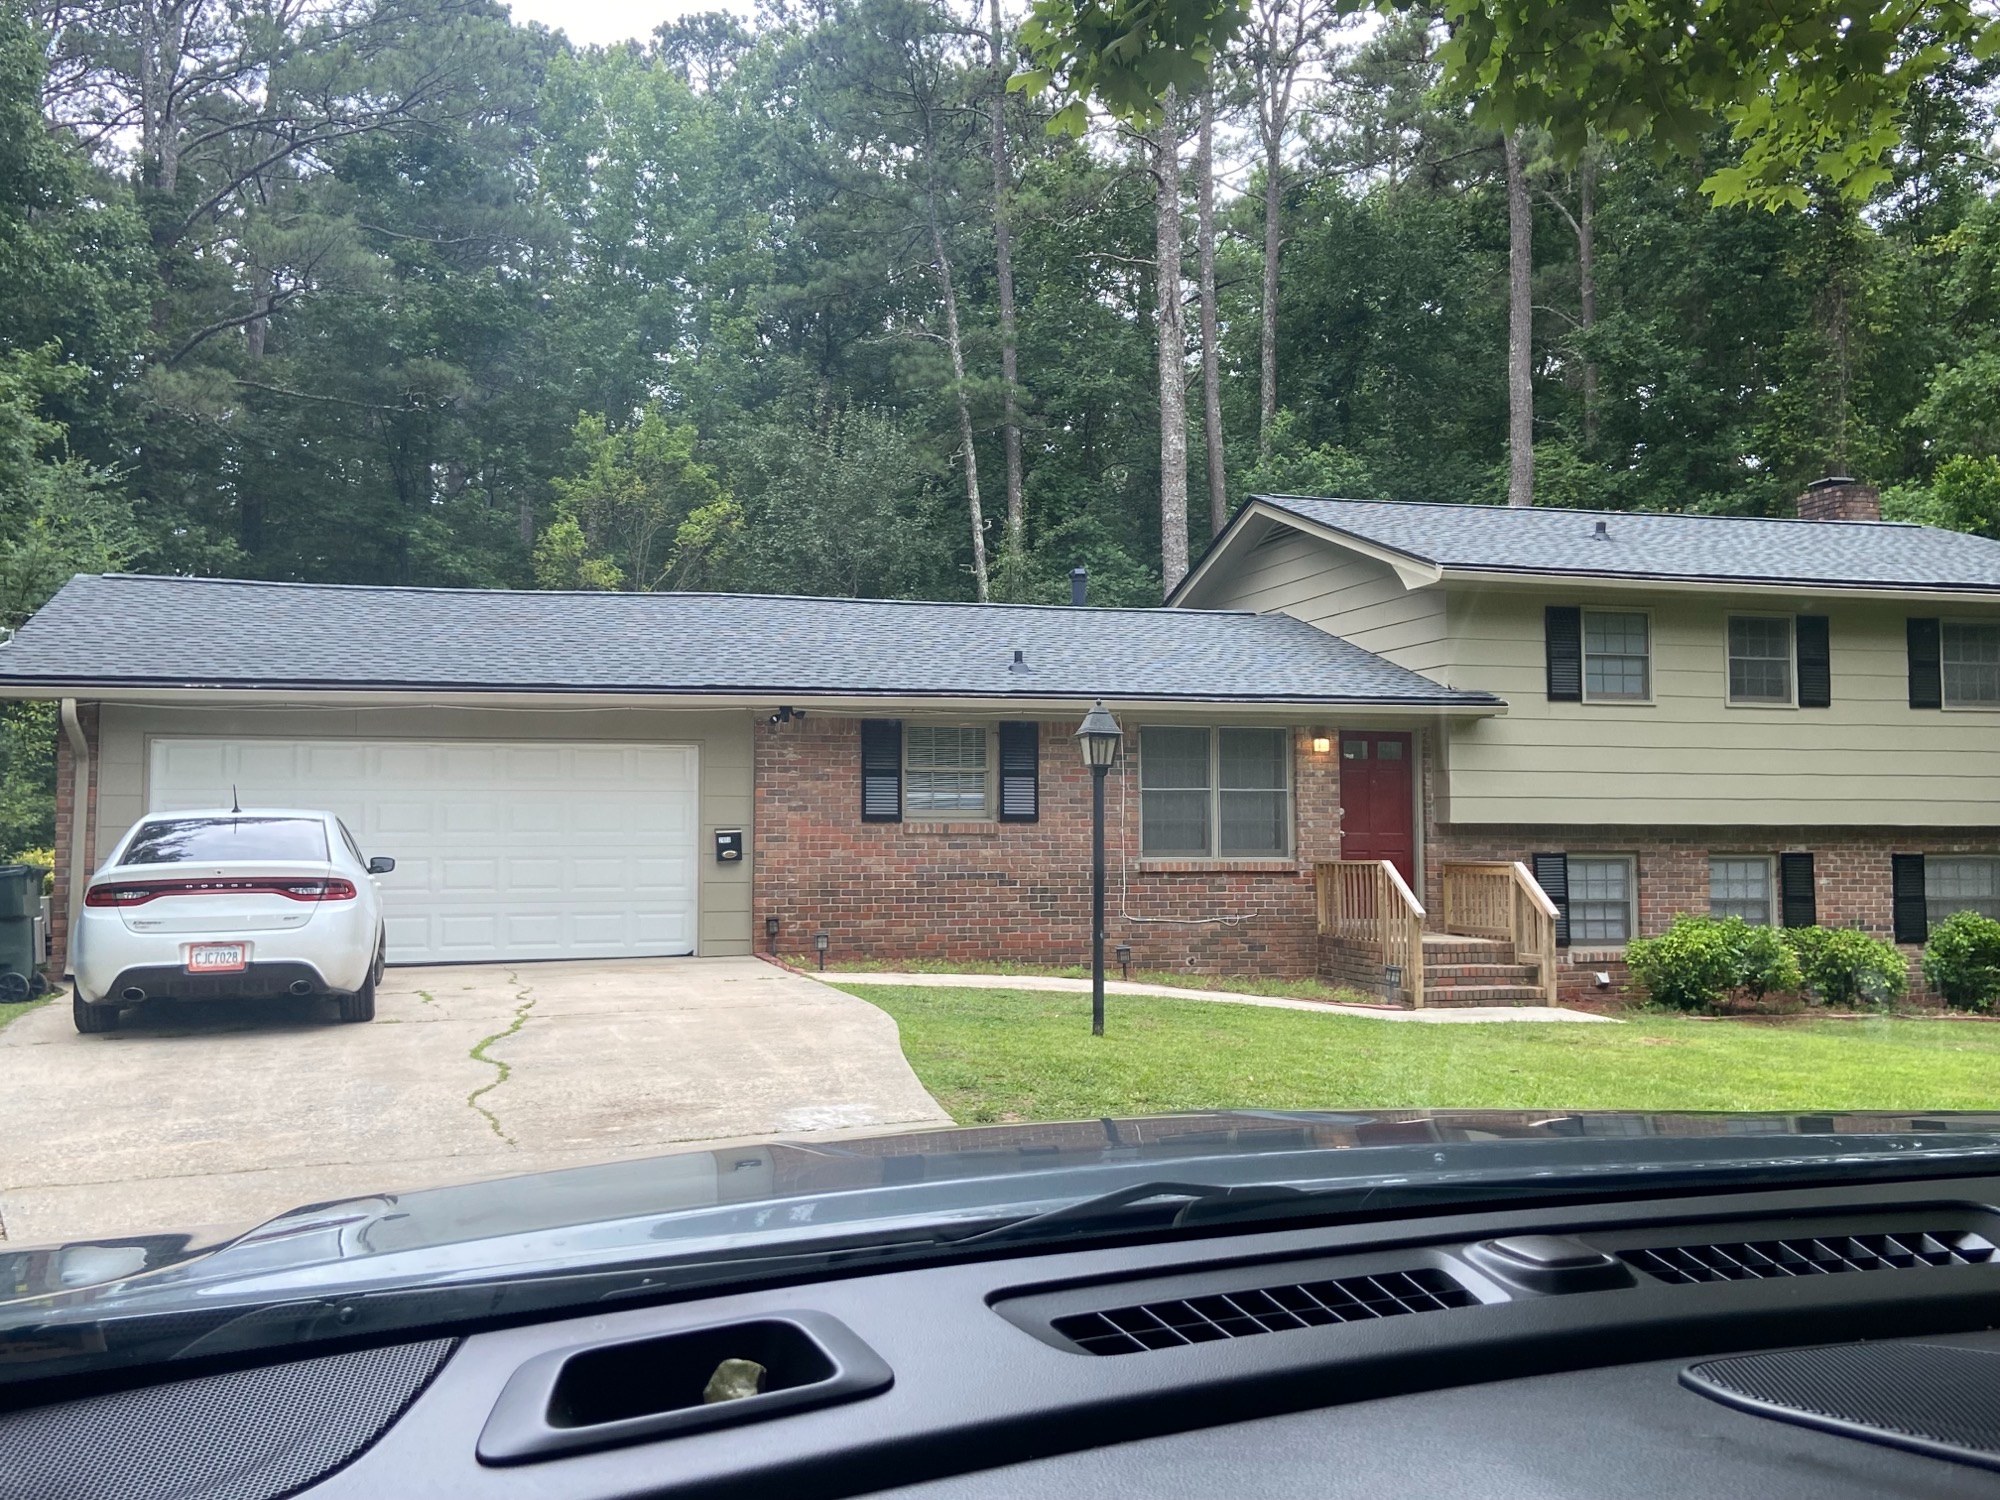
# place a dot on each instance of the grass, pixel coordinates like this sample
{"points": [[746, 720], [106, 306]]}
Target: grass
{"points": [[1006, 1055], [1238, 984], [15, 1012]]}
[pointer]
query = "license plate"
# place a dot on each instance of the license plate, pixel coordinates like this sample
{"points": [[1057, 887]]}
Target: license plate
{"points": [[215, 958]]}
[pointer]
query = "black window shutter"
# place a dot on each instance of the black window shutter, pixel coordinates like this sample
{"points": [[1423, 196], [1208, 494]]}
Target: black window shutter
{"points": [[1552, 875], [1020, 772], [1906, 886], [1815, 663], [1926, 677], [1798, 897], [1562, 632], [881, 770]]}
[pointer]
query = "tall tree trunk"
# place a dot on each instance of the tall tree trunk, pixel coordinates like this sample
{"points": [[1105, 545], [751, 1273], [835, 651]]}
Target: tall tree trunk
{"points": [[1014, 548], [1586, 270], [1173, 350], [957, 350], [1520, 330], [1211, 338], [1267, 345]]}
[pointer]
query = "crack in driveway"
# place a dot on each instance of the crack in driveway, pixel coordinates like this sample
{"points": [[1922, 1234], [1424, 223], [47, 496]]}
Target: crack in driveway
{"points": [[524, 1004]]}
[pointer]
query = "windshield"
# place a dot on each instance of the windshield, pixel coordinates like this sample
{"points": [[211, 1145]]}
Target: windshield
{"points": [[891, 632], [171, 841]]}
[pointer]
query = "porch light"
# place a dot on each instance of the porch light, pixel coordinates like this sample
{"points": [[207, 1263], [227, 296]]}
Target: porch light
{"points": [[1097, 737], [820, 944], [1322, 742]]}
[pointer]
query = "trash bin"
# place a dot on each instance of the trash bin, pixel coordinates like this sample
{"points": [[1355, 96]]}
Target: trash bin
{"points": [[20, 901]]}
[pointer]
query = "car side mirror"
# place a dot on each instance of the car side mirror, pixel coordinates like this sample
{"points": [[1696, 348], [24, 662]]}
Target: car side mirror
{"points": [[381, 864]]}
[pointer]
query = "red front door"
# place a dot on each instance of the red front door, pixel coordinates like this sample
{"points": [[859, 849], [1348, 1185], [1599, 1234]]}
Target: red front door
{"points": [[1378, 817]]}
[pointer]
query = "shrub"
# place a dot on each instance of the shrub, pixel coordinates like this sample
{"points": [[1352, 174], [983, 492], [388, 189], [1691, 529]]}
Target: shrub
{"points": [[1691, 965], [1764, 961], [1845, 966], [41, 859], [1962, 960]]}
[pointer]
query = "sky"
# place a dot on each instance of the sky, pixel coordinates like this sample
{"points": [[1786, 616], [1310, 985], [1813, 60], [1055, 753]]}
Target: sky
{"points": [[593, 22]]}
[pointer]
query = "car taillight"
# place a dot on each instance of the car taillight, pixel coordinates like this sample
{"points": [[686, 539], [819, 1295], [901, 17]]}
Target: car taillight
{"points": [[291, 890]]}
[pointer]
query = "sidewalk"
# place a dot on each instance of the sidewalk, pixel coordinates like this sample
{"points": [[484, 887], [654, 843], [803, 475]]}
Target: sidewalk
{"points": [[1447, 1016]]}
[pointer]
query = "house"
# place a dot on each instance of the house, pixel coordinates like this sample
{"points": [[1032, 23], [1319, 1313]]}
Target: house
{"points": [[602, 775], [1462, 754], [1790, 720]]}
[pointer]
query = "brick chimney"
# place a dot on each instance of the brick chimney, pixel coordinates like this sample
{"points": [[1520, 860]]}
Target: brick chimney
{"points": [[1838, 498]]}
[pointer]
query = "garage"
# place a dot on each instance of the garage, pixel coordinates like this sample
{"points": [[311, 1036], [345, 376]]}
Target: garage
{"points": [[504, 850]]}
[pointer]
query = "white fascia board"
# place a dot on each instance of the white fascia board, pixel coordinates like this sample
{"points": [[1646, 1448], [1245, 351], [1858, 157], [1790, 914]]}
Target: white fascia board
{"points": [[1380, 712], [1506, 578]]}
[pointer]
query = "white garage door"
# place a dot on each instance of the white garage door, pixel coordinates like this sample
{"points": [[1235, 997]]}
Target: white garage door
{"points": [[502, 850]]}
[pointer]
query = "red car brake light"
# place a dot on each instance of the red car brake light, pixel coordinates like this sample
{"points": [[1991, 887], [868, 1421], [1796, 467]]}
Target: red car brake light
{"points": [[138, 893]]}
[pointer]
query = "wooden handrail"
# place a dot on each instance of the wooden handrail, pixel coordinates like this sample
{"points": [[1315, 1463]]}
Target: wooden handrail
{"points": [[1501, 899], [1367, 904]]}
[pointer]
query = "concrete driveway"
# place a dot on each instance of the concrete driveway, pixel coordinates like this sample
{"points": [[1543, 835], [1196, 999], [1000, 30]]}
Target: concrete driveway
{"points": [[226, 1114]]}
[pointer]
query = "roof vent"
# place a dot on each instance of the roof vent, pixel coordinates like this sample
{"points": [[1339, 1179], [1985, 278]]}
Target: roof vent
{"points": [[1019, 663], [1271, 1309], [1767, 1260], [1601, 532]]}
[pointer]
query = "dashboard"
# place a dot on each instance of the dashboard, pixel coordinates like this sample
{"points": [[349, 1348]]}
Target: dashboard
{"points": [[1815, 1343]]}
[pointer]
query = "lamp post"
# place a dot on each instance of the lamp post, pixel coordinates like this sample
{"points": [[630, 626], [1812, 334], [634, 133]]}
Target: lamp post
{"points": [[1097, 737]]}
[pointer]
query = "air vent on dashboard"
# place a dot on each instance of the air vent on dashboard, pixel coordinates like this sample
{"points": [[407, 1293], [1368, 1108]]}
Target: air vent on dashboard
{"points": [[1271, 1309], [1812, 1256]]}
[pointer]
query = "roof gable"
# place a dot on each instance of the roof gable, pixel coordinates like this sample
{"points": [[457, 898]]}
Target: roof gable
{"points": [[1643, 546]]}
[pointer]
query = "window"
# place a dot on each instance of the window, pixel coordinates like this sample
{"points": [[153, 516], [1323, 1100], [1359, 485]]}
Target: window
{"points": [[944, 770], [1213, 793], [1739, 885], [1760, 660], [1616, 659], [172, 841], [1600, 898], [1958, 883], [1971, 663]]}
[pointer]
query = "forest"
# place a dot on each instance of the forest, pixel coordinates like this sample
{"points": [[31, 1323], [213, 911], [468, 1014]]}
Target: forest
{"points": [[400, 292]]}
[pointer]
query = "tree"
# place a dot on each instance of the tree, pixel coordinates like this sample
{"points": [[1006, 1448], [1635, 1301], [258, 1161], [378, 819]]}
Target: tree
{"points": [[1807, 90], [1211, 333], [1520, 327], [1014, 547], [639, 513], [1171, 333]]}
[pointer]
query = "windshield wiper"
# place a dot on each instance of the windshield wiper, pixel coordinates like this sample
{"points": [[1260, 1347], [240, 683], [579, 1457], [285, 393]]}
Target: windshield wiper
{"points": [[1108, 1210]]}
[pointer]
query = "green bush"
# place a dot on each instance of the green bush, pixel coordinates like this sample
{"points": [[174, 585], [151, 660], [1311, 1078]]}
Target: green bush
{"points": [[1691, 965], [1845, 966], [41, 859], [1764, 961], [1962, 960]]}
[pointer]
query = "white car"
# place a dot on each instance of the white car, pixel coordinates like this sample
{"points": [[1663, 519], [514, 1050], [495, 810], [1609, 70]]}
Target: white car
{"points": [[230, 904]]}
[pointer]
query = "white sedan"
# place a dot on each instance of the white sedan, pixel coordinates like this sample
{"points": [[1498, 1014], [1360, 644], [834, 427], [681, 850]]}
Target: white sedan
{"points": [[230, 905]]}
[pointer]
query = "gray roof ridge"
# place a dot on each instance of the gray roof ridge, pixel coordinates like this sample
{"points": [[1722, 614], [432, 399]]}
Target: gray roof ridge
{"points": [[416, 588], [1563, 510]]}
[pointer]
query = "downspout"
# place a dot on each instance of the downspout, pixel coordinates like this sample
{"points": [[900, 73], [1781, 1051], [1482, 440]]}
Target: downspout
{"points": [[79, 820]]}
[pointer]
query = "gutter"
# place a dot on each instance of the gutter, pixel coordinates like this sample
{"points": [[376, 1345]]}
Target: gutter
{"points": [[79, 818]]}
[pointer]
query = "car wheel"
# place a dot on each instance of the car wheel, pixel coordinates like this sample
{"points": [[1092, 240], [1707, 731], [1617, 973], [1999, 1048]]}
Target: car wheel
{"points": [[91, 1019], [381, 962], [359, 1006]]}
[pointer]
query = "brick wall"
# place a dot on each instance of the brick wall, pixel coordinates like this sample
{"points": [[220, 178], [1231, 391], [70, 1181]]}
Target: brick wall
{"points": [[65, 821], [984, 892]]}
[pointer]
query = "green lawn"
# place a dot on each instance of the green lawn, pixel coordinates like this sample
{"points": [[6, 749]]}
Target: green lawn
{"points": [[9, 1012], [1241, 984], [999, 1055]]}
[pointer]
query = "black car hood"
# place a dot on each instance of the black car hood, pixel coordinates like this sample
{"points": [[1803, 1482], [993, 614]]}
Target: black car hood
{"points": [[770, 1193]]}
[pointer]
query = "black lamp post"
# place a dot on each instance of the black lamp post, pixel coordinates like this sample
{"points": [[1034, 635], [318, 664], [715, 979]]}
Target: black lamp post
{"points": [[1097, 737]]}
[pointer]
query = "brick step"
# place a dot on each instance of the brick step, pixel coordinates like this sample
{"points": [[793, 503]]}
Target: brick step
{"points": [[1497, 973], [1467, 953], [1485, 994]]}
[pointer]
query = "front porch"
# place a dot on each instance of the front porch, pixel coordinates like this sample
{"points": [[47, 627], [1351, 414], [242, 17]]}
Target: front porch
{"points": [[1492, 943]]}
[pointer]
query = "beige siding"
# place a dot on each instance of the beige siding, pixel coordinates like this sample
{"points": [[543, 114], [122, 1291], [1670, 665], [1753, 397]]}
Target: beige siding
{"points": [[723, 738], [1688, 757], [1341, 592]]}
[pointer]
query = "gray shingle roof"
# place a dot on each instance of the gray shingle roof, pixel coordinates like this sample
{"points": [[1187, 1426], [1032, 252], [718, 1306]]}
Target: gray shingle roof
{"points": [[1720, 549], [137, 631]]}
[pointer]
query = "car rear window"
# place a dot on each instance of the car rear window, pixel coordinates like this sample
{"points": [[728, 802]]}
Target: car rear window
{"points": [[170, 841]]}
